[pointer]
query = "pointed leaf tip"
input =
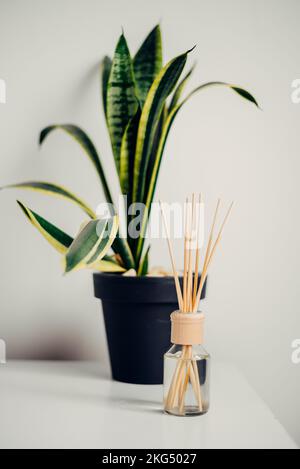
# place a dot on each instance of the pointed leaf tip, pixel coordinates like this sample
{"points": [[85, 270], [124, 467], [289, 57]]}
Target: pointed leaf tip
{"points": [[22, 207], [122, 42], [245, 94], [147, 63], [121, 101], [42, 135], [156, 29], [190, 50], [81, 137], [54, 235]]}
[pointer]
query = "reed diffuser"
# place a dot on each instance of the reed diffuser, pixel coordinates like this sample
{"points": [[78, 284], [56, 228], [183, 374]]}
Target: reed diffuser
{"points": [[186, 364]]}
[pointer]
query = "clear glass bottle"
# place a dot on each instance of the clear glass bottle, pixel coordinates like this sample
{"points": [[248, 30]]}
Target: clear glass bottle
{"points": [[186, 371]]}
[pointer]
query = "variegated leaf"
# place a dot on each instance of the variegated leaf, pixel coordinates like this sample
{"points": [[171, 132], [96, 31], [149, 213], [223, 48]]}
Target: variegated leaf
{"points": [[162, 86], [105, 68], [53, 189], [92, 243], [121, 99], [108, 237], [87, 145], [165, 132], [107, 265], [128, 147], [55, 236], [147, 63], [144, 264], [179, 90]]}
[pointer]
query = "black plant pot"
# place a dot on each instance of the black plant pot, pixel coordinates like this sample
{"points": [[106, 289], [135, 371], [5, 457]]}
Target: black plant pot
{"points": [[137, 321]]}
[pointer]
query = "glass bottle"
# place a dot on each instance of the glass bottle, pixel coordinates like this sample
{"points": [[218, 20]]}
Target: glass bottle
{"points": [[186, 367]]}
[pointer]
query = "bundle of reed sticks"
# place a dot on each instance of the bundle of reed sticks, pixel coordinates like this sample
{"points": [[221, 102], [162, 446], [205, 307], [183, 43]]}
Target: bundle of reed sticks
{"points": [[190, 295]]}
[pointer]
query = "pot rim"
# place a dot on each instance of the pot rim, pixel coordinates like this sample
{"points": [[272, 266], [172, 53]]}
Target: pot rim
{"points": [[110, 286], [136, 278]]}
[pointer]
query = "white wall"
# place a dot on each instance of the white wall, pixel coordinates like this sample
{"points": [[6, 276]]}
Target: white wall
{"points": [[221, 145]]}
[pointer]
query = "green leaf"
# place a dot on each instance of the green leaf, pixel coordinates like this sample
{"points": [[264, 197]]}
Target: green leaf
{"points": [[240, 91], [105, 69], [155, 146], [56, 237], [151, 165], [107, 266], [85, 142], [61, 241], [121, 247], [91, 244], [53, 189], [162, 86], [153, 179], [85, 244], [108, 237], [160, 150], [147, 63], [121, 99], [179, 90], [143, 267], [127, 155], [244, 93]]}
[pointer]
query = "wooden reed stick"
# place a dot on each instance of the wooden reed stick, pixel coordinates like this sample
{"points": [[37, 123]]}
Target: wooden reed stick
{"points": [[187, 367], [180, 380], [175, 273], [219, 234], [197, 260], [185, 255], [208, 248], [180, 391], [190, 253], [176, 381], [210, 253], [185, 381], [197, 384], [211, 234], [183, 386], [180, 375], [192, 375], [171, 393]]}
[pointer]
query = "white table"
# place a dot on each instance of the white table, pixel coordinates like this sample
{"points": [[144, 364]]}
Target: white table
{"points": [[76, 405]]}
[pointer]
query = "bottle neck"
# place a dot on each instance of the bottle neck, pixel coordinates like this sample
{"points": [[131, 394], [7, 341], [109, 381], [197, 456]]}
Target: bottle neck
{"points": [[188, 351]]}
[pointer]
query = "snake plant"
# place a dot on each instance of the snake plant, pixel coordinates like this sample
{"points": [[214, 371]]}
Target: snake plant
{"points": [[141, 98]]}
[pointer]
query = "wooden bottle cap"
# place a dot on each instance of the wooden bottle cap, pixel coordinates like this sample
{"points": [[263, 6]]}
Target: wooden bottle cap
{"points": [[187, 328]]}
